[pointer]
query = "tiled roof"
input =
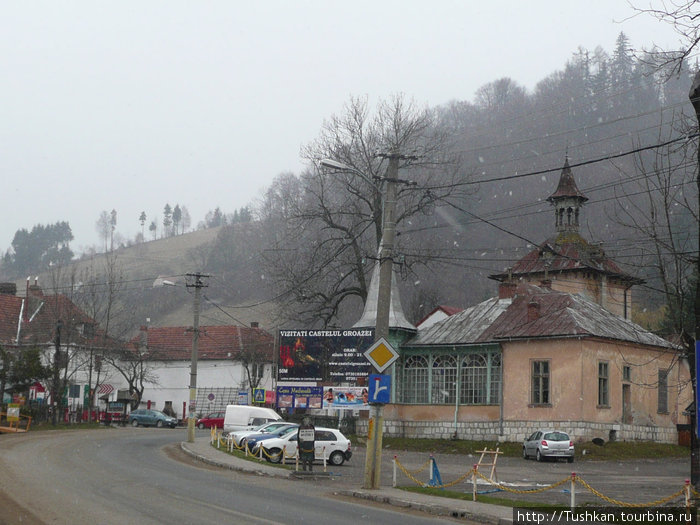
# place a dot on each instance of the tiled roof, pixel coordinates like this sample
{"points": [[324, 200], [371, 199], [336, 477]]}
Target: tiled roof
{"points": [[568, 252], [174, 343], [447, 310], [558, 315], [38, 317]]}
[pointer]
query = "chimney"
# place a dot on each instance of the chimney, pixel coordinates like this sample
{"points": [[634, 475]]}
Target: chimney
{"points": [[533, 311], [506, 290], [254, 324]]}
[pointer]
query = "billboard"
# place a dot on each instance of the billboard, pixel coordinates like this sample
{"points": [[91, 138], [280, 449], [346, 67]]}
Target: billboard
{"points": [[324, 355]]}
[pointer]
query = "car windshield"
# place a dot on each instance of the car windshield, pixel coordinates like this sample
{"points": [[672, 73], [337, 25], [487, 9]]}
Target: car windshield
{"points": [[285, 431], [556, 436]]}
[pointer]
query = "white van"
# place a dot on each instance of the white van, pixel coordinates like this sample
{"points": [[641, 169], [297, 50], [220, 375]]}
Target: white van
{"points": [[246, 417]]}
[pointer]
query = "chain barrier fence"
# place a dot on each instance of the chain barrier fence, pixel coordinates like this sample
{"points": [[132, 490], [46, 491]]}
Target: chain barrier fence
{"points": [[275, 457], [685, 493]]}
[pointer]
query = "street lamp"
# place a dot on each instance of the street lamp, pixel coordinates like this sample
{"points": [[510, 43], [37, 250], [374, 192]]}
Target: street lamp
{"points": [[198, 284], [386, 247]]}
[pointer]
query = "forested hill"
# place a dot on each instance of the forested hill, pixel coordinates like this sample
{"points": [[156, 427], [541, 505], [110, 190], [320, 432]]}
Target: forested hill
{"points": [[483, 170]]}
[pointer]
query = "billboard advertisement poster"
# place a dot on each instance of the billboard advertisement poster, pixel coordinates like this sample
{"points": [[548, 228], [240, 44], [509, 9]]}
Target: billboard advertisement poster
{"points": [[300, 396], [345, 397], [335, 356]]}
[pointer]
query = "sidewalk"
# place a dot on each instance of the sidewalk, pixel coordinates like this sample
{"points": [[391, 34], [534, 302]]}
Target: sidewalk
{"points": [[472, 510]]}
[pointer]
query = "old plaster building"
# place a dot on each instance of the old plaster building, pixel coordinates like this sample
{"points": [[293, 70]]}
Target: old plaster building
{"points": [[556, 347]]}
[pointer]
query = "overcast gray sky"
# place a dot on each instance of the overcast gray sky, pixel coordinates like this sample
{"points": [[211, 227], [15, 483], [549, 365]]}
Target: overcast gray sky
{"points": [[129, 105]]}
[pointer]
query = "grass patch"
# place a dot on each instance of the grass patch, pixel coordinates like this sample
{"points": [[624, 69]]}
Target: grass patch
{"points": [[481, 498], [253, 459], [615, 451]]}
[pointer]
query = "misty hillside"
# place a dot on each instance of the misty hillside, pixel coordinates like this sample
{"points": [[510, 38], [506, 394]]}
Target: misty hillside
{"points": [[607, 113]]}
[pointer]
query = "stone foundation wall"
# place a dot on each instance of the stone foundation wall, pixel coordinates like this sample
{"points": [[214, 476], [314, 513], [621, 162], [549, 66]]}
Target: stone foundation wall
{"points": [[515, 431]]}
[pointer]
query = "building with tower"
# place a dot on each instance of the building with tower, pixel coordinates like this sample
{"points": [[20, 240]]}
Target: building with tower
{"points": [[555, 348]]}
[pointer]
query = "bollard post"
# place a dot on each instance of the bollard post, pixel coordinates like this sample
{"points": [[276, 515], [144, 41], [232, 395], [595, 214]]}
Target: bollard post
{"points": [[432, 468], [324, 458], [573, 490], [261, 452], [687, 494], [393, 479], [474, 482], [284, 455], [296, 459]]}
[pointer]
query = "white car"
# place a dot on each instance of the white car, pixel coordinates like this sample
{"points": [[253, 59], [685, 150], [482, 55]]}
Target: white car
{"points": [[239, 436], [328, 442]]}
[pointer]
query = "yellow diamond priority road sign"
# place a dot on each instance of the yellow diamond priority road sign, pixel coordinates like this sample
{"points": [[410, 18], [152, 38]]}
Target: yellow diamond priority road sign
{"points": [[381, 355]]}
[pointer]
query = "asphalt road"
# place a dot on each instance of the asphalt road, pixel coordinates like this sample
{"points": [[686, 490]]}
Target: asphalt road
{"points": [[129, 476]]}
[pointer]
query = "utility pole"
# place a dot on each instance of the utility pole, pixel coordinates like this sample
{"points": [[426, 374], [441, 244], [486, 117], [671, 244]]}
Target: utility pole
{"points": [[373, 459], [694, 96], [198, 284], [56, 374]]}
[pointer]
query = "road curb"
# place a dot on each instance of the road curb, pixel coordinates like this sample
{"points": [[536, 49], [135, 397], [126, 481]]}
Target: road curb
{"points": [[252, 469]]}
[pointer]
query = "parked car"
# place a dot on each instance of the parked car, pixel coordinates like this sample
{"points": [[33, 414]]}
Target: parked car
{"points": [[254, 439], [240, 436], [146, 417], [215, 419], [549, 443], [328, 442]]}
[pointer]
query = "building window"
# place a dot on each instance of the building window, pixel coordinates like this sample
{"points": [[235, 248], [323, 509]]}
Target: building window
{"points": [[495, 379], [627, 373], [444, 380], [540, 382], [258, 370], [474, 380], [415, 376], [663, 392], [603, 384]]}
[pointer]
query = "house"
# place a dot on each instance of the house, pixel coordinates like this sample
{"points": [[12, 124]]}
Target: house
{"points": [[231, 360], [438, 313], [48, 322], [556, 347]]}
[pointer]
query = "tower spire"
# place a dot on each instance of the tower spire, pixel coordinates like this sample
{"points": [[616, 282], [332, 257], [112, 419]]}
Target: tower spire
{"points": [[567, 201]]}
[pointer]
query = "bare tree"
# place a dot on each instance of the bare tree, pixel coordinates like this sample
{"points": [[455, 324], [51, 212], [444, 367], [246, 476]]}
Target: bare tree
{"points": [[684, 17], [104, 227], [324, 228]]}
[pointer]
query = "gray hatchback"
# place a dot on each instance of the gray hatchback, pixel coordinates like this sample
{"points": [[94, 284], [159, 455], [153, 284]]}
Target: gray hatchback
{"points": [[549, 444]]}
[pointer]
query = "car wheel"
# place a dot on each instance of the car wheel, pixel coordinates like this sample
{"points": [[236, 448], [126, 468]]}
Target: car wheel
{"points": [[524, 453], [538, 456], [570, 460], [274, 455], [134, 423], [337, 458], [201, 426], [159, 424]]}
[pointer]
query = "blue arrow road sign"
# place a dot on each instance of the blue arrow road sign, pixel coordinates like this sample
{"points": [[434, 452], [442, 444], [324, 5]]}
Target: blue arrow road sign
{"points": [[379, 388]]}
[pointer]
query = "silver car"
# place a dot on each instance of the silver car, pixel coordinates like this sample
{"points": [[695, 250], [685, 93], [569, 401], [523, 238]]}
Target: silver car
{"points": [[549, 443]]}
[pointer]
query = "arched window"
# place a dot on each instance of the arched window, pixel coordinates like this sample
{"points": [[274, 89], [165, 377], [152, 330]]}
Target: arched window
{"points": [[444, 380], [415, 379], [474, 380]]}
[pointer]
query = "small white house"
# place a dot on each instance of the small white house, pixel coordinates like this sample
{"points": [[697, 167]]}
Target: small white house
{"points": [[231, 361]]}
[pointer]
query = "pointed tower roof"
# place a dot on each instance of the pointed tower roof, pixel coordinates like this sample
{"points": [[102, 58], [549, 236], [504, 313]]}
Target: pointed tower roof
{"points": [[568, 251], [567, 188], [397, 319]]}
